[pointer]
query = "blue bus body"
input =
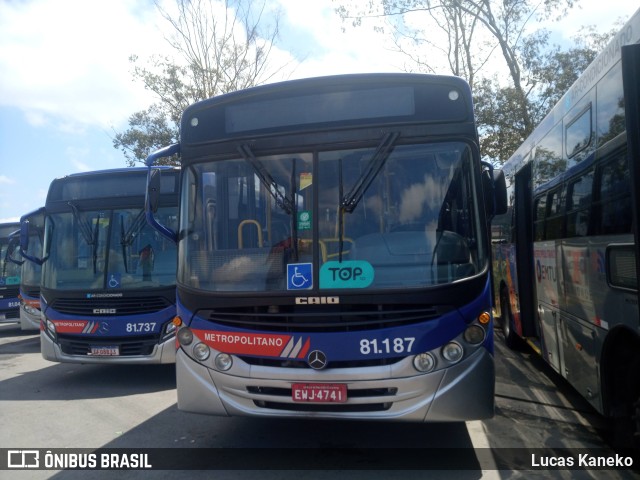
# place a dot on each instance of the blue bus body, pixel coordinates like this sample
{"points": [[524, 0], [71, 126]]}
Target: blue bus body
{"points": [[108, 280], [9, 276], [31, 273], [333, 252], [566, 263]]}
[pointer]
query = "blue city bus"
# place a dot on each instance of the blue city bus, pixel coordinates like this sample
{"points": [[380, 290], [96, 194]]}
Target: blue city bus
{"points": [[567, 262], [108, 279], [9, 275], [333, 251], [31, 272]]}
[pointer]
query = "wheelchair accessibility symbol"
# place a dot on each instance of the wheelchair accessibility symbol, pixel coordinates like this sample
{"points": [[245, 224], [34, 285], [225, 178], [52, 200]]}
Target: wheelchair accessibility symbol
{"points": [[114, 280], [299, 276]]}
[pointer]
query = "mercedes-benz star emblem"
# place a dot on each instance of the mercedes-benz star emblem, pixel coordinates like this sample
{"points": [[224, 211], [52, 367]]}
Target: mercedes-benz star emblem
{"points": [[317, 360]]}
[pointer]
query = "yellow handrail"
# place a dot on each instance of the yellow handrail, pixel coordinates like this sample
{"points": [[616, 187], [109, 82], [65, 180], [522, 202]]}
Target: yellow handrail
{"points": [[240, 227]]}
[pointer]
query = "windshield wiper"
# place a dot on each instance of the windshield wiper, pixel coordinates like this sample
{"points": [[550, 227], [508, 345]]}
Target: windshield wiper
{"points": [[350, 201], [85, 227], [294, 211], [91, 238], [266, 179], [340, 212], [96, 234], [126, 237]]}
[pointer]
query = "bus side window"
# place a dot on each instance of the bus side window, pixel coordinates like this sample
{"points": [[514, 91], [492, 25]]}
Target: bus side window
{"points": [[579, 205], [539, 212], [614, 212], [554, 222]]}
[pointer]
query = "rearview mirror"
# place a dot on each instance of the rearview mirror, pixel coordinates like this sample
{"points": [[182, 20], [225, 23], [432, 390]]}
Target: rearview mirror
{"points": [[153, 189], [500, 193]]}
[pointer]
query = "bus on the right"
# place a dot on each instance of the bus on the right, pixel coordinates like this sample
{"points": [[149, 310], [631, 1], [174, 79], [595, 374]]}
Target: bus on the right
{"points": [[566, 265]]}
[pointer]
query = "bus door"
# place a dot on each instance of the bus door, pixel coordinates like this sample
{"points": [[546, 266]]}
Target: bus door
{"points": [[547, 227], [631, 82], [524, 252]]}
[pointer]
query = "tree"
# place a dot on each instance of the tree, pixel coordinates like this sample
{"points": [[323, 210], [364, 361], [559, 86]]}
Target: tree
{"points": [[538, 74], [219, 46], [551, 72]]}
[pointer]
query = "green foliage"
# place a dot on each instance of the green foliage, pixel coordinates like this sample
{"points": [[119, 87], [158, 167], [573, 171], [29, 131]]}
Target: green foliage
{"points": [[535, 74], [219, 45], [148, 130]]}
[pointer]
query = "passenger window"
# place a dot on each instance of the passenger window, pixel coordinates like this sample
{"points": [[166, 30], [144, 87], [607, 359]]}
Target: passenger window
{"points": [[553, 227], [578, 133], [579, 205], [614, 212], [610, 106], [539, 211], [548, 160]]}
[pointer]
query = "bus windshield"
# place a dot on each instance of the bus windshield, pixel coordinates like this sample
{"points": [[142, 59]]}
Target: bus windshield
{"points": [[31, 271], [404, 218], [9, 271], [107, 249]]}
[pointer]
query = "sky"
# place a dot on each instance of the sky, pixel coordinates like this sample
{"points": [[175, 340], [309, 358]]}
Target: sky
{"points": [[66, 86]]}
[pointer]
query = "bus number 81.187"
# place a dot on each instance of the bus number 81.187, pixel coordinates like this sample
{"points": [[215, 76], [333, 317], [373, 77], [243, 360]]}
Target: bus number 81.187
{"points": [[386, 345]]}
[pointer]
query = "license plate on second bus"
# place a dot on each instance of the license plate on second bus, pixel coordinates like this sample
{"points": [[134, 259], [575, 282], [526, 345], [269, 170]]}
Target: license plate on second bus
{"points": [[319, 392], [104, 351]]}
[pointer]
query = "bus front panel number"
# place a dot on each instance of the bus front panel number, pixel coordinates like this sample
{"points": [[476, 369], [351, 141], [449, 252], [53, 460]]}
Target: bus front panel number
{"points": [[141, 327], [386, 345]]}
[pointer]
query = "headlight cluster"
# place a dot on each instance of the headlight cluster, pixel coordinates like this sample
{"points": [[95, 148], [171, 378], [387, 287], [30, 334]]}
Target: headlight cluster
{"points": [[169, 330], [31, 310], [454, 351], [51, 328], [199, 350]]}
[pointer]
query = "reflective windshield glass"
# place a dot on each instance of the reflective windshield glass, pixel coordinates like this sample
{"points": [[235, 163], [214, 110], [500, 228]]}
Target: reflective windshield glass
{"points": [[391, 217], [31, 271], [415, 224], [108, 249], [244, 221], [9, 271]]}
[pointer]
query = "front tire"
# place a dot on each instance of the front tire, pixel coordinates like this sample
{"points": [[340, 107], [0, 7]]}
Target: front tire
{"points": [[511, 340]]}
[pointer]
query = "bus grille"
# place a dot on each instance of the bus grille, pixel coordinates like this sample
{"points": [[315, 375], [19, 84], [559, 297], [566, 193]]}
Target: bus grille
{"points": [[10, 291], [291, 363], [330, 318], [33, 292], [123, 305], [12, 314], [143, 345]]}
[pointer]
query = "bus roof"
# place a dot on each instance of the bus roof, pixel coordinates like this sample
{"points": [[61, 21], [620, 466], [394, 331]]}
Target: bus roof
{"points": [[7, 229], [339, 101], [119, 182]]}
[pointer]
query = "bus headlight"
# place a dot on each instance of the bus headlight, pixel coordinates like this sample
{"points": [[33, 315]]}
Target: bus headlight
{"points": [[170, 329], [201, 351], [474, 334], [223, 362], [424, 362], [31, 310], [452, 352], [51, 327], [185, 336]]}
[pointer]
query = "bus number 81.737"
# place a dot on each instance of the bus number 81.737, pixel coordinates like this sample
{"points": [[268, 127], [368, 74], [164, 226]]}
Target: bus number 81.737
{"points": [[141, 327], [387, 345]]}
